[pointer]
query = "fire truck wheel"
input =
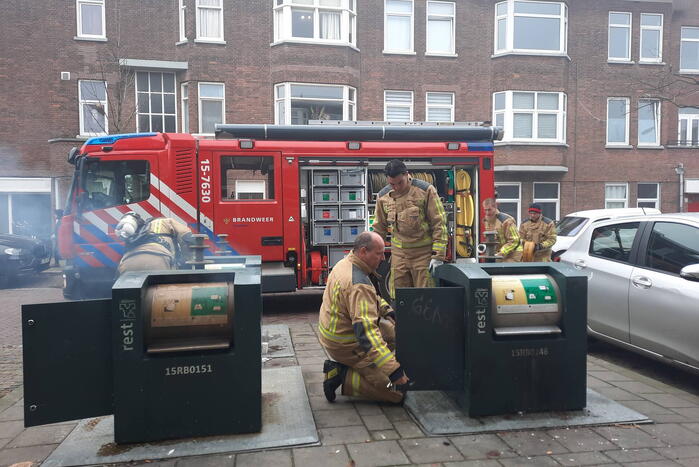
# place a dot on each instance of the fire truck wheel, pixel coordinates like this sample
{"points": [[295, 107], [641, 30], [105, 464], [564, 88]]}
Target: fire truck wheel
{"points": [[384, 271]]}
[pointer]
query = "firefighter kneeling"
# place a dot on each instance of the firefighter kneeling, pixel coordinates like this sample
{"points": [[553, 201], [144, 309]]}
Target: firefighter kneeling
{"points": [[357, 328], [155, 244]]}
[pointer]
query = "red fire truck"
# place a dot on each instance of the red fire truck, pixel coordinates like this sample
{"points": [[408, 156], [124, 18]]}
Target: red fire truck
{"points": [[295, 195]]}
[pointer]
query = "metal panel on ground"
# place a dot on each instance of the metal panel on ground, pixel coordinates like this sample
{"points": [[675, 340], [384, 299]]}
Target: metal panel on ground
{"points": [[430, 334]]}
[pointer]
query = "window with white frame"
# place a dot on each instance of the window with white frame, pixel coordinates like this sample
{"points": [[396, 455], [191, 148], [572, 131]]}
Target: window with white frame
{"points": [[619, 37], [212, 105], [618, 121], [210, 20], [398, 26], [616, 195], [182, 20], [651, 38], [398, 106], [689, 49], [547, 194], [688, 126], [440, 28], [440, 106], [250, 189], [184, 109], [156, 101], [90, 18], [648, 195], [327, 21], [531, 27], [531, 116], [297, 103], [649, 122], [509, 199], [93, 107]]}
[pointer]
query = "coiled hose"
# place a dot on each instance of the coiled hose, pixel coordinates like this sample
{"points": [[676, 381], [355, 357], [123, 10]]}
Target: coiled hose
{"points": [[464, 214]]}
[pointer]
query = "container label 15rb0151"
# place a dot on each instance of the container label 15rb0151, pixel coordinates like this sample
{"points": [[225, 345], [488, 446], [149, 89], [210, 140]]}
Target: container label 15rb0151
{"points": [[182, 370]]}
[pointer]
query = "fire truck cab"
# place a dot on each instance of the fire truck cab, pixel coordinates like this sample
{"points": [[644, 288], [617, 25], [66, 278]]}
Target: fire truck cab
{"points": [[295, 195]]}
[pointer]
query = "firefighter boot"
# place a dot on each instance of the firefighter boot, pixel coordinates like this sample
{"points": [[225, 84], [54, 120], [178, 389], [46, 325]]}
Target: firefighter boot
{"points": [[334, 377]]}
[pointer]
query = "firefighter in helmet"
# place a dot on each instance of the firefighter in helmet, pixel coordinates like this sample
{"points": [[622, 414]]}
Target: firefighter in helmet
{"points": [[541, 231], [357, 328], [155, 244], [413, 212], [509, 245]]}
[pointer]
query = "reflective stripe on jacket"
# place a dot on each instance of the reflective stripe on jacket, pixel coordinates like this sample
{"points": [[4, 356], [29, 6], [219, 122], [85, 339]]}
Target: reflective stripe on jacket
{"points": [[507, 233], [350, 313], [543, 232], [416, 218]]}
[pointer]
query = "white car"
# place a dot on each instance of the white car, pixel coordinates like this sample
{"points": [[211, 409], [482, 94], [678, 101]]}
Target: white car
{"points": [[571, 226], [643, 284]]}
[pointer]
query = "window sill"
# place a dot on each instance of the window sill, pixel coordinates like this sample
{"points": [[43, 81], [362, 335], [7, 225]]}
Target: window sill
{"points": [[650, 147], [86, 137], [653, 63], [313, 42], [209, 41], [393, 52], [204, 135], [531, 143], [90, 39], [689, 72], [532, 54], [618, 146], [428, 54], [621, 62], [186, 41]]}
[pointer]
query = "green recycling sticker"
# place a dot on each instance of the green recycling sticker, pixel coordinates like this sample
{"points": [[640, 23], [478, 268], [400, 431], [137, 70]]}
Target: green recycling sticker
{"points": [[207, 301], [539, 291]]}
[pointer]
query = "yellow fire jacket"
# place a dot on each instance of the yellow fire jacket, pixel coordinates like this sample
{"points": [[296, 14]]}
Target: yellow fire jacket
{"points": [[542, 232], [508, 235], [350, 313], [416, 218], [160, 238]]}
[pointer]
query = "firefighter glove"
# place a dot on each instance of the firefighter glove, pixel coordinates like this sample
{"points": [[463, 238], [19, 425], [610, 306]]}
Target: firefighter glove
{"points": [[435, 263]]}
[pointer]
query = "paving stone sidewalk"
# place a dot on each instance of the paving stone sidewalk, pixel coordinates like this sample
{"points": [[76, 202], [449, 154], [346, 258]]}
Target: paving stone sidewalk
{"points": [[355, 433]]}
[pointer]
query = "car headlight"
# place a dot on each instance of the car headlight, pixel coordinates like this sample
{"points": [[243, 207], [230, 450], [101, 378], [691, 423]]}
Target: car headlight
{"points": [[13, 251]]}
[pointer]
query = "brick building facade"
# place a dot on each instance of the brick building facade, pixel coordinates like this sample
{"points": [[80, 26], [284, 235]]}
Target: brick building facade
{"points": [[572, 82]]}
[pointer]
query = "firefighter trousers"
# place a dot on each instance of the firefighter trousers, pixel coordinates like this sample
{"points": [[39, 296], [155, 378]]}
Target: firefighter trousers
{"points": [[513, 257], [145, 261], [543, 256], [363, 378], [410, 268]]}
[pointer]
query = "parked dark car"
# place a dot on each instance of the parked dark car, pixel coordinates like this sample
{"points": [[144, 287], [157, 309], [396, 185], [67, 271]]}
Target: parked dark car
{"points": [[22, 255]]}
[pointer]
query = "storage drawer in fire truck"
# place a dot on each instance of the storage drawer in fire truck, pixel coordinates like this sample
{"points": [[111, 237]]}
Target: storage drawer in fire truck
{"points": [[337, 208]]}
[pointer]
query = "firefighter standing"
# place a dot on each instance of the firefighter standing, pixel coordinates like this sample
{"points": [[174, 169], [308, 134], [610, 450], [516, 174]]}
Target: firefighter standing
{"points": [[509, 245], [357, 328], [413, 211], [151, 245], [540, 230]]}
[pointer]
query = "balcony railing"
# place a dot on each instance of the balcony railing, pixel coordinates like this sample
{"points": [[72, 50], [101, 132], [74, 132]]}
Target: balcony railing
{"points": [[685, 144]]}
